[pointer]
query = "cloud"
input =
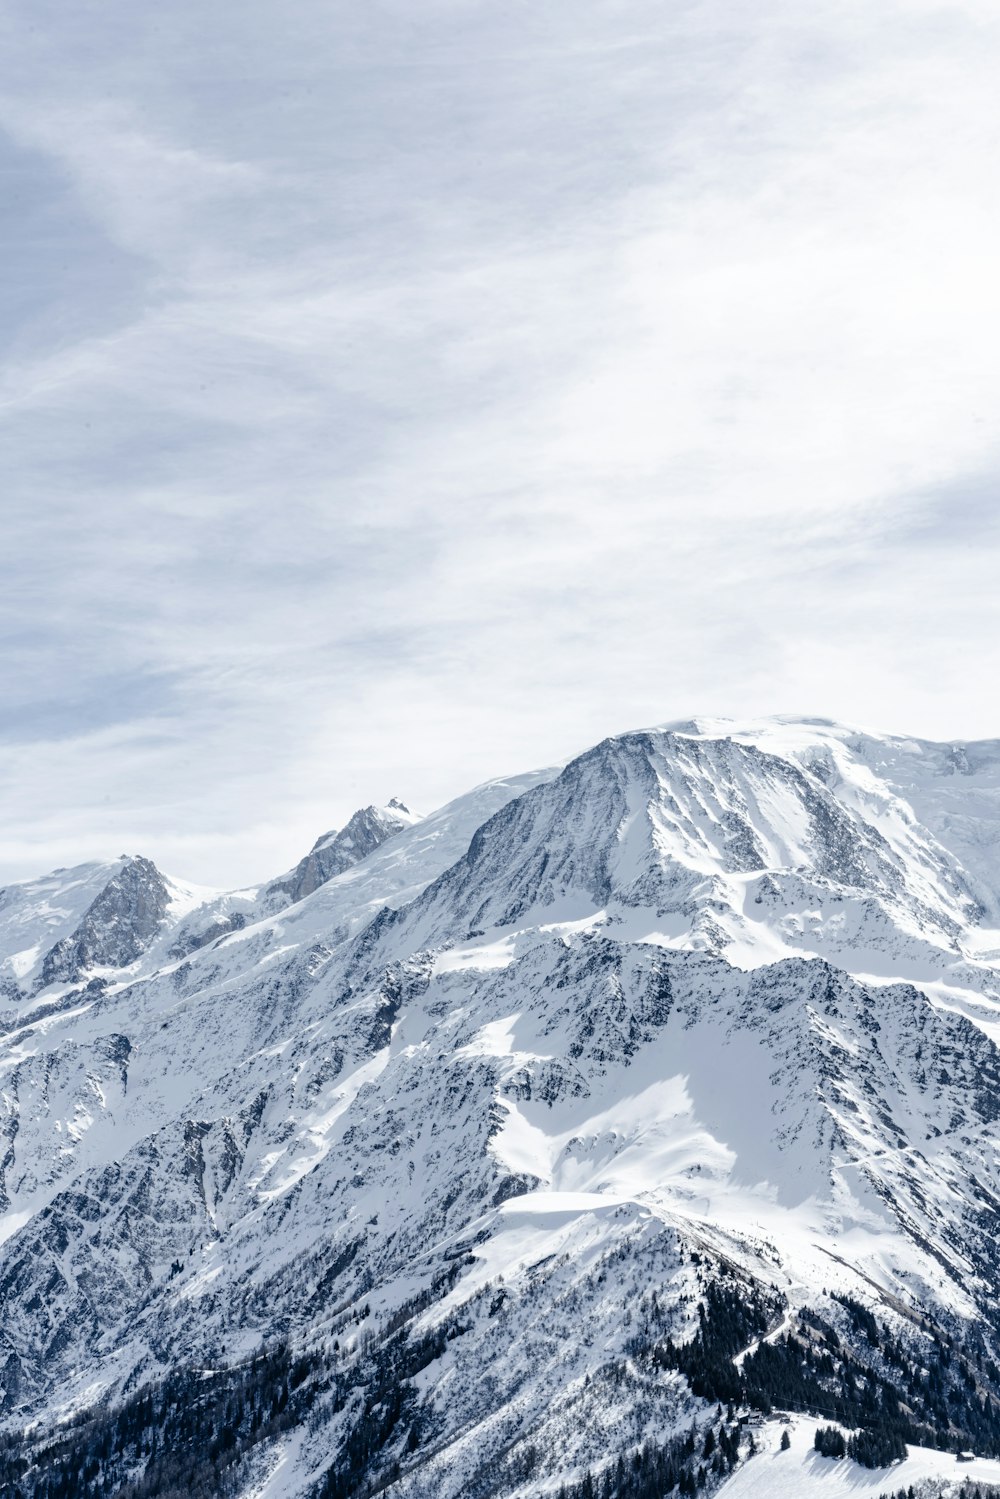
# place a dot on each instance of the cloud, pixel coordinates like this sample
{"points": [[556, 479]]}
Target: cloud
{"points": [[399, 398]]}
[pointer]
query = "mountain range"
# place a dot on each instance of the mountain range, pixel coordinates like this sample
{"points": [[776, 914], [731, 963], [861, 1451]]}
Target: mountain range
{"points": [[521, 1148]]}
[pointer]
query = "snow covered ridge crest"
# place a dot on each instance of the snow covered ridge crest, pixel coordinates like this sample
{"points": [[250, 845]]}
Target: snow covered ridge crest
{"points": [[483, 1150], [96, 920], [334, 852]]}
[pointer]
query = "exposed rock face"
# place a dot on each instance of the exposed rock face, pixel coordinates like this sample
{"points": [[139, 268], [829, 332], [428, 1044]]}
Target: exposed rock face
{"points": [[116, 929], [334, 852], [222, 926]]}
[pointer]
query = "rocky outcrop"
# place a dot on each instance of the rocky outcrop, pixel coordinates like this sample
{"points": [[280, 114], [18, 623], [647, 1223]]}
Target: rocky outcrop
{"points": [[116, 928], [334, 852]]}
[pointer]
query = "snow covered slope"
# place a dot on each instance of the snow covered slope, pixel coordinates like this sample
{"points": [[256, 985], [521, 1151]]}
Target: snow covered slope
{"points": [[68, 1055], [800, 1473], [484, 1110], [84, 922], [334, 852]]}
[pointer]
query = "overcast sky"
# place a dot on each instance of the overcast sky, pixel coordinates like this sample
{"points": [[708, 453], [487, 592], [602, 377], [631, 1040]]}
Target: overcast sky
{"points": [[400, 394]]}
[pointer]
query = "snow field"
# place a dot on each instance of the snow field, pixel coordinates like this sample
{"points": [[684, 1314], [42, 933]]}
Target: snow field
{"points": [[800, 1473]]}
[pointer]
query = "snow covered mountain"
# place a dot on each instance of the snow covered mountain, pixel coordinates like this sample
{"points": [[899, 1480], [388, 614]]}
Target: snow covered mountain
{"points": [[520, 1136], [86, 922], [334, 852]]}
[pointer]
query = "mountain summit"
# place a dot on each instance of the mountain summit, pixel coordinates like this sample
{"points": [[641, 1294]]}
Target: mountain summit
{"points": [[499, 1151], [334, 852]]}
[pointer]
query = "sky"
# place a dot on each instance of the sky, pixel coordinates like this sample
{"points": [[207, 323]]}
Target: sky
{"points": [[399, 395]]}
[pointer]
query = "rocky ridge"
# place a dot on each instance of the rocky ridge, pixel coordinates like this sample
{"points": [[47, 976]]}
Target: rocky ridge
{"points": [[333, 853]]}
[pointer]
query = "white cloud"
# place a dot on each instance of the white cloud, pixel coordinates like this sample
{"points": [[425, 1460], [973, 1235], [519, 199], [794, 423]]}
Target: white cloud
{"points": [[486, 382]]}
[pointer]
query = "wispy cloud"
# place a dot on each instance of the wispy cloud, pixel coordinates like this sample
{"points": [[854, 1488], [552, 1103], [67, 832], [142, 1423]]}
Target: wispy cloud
{"points": [[395, 397]]}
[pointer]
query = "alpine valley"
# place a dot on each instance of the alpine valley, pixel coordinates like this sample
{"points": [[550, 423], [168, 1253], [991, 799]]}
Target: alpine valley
{"points": [[600, 1135]]}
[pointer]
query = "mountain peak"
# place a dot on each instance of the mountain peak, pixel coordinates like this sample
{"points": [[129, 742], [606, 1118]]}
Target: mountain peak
{"points": [[334, 852], [117, 926], [707, 838]]}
